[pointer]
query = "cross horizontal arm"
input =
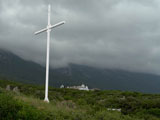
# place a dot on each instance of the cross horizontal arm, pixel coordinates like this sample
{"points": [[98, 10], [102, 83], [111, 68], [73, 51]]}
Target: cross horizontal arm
{"points": [[40, 31], [56, 25]]}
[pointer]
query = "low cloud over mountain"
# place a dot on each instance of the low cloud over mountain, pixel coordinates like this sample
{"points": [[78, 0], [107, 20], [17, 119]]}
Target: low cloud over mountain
{"points": [[121, 34]]}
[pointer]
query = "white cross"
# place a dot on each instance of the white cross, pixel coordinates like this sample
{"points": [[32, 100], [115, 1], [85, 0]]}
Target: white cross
{"points": [[48, 29]]}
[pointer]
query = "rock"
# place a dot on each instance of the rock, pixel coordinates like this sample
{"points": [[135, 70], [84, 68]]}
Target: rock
{"points": [[123, 98], [16, 90], [114, 109], [8, 88]]}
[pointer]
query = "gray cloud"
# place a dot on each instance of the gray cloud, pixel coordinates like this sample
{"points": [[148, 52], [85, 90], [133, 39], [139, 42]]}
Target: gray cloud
{"points": [[121, 34]]}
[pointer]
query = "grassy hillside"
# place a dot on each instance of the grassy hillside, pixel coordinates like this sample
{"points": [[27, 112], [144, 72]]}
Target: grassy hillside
{"points": [[69, 104]]}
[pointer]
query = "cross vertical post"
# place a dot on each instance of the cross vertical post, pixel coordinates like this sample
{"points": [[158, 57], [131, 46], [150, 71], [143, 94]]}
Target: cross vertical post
{"points": [[48, 30], [47, 57]]}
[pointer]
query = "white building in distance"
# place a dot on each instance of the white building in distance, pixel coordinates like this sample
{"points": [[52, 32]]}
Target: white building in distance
{"points": [[82, 87]]}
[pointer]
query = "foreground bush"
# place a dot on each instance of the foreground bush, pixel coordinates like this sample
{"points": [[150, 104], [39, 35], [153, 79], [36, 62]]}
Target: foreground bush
{"points": [[12, 109]]}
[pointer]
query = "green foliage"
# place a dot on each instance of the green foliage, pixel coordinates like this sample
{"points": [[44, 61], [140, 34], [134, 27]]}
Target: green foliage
{"points": [[12, 109], [8, 107], [70, 104], [154, 111]]}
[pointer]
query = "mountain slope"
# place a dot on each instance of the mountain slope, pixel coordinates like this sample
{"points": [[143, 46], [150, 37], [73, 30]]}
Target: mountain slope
{"points": [[117, 79], [14, 67]]}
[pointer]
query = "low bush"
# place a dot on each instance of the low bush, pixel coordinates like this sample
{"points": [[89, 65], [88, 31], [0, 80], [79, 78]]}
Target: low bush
{"points": [[12, 109]]}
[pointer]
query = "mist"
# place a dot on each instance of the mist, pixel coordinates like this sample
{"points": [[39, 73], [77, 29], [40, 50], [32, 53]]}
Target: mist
{"points": [[115, 34]]}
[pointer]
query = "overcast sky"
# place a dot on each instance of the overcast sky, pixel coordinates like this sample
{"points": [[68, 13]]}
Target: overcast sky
{"points": [[121, 34]]}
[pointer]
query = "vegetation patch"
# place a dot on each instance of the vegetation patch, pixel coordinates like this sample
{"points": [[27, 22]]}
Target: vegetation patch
{"points": [[70, 104]]}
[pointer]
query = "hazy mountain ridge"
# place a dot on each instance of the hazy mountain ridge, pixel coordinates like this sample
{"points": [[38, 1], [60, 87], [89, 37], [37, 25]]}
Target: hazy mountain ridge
{"points": [[12, 66]]}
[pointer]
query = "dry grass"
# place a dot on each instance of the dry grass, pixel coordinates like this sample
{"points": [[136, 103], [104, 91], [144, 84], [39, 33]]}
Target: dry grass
{"points": [[53, 106]]}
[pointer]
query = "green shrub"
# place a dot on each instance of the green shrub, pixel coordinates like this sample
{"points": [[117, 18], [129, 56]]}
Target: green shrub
{"points": [[154, 111], [12, 109]]}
